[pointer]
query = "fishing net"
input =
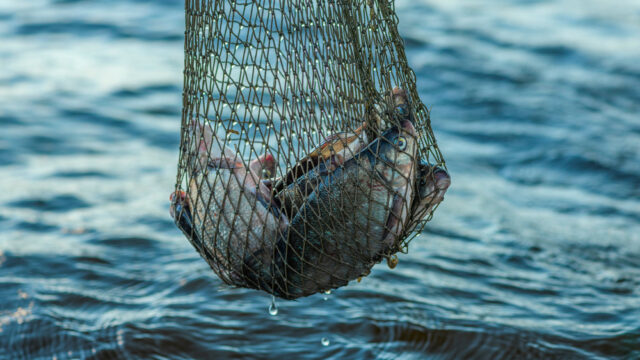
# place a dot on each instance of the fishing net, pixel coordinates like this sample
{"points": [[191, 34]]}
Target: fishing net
{"points": [[306, 155]]}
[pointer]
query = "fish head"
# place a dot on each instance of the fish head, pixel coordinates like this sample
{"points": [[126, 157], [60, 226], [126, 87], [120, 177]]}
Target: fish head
{"points": [[432, 183], [396, 152], [432, 180]]}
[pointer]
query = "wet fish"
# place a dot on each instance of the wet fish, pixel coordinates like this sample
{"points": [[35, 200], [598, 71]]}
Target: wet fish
{"points": [[180, 205], [293, 188], [354, 214], [227, 212], [237, 225]]}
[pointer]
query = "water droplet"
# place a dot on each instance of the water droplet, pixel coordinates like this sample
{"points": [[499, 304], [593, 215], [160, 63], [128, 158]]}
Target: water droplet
{"points": [[325, 341], [273, 308]]}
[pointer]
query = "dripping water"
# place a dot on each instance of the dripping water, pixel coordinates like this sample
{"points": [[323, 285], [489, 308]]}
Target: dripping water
{"points": [[273, 308]]}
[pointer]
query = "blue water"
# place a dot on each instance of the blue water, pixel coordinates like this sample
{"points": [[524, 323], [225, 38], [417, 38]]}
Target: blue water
{"points": [[535, 252]]}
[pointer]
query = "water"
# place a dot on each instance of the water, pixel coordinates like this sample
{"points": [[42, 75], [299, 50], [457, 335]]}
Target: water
{"points": [[535, 251]]}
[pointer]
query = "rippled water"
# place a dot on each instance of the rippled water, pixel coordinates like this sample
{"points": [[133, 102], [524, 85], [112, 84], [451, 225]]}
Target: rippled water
{"points": [[535, 251]]}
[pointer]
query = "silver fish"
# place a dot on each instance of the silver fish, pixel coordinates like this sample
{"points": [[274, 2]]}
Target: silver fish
{"points": [[227, 213], [294, 187], [299, 182], [237, 225], [180, 205], [351, 218]]}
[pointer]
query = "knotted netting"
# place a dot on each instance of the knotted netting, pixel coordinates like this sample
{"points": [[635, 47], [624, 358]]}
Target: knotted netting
{"points": [[306, 154]]}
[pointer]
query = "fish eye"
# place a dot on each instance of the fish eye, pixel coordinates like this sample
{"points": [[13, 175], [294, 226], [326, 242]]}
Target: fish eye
{"points": [[266, 173], [401, 143]]}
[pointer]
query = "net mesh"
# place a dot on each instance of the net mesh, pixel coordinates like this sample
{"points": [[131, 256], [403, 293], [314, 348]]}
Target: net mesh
{"points": [[306, 154]]}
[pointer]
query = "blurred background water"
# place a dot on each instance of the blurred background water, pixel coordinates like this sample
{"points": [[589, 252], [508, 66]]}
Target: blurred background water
{"points": [[535, 252]]}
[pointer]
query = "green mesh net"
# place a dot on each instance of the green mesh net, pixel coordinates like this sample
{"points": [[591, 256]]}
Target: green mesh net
{"points": [[306, 154]]}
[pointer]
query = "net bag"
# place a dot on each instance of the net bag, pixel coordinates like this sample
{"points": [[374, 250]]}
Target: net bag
{"points": [[306, 156]]}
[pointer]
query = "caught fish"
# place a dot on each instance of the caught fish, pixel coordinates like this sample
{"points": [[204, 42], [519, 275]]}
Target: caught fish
{"points": [[180, 206], [293, 188], [205, 146], [355, 213], [228, 214], [238, 225]]}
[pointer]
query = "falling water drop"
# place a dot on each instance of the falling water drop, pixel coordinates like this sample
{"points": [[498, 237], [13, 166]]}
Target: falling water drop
{"points": [[273, 308], [325, 341]]}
